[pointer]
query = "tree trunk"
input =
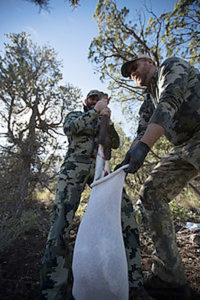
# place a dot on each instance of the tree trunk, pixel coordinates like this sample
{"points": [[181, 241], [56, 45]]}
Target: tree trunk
{"points": [[23, 187], [27, 155]]}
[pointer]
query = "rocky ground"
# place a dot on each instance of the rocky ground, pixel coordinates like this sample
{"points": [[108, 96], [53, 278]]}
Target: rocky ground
{"points": [[20, 262]]}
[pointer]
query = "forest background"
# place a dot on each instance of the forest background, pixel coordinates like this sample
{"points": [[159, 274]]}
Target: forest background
{"points": [[34, 101]]}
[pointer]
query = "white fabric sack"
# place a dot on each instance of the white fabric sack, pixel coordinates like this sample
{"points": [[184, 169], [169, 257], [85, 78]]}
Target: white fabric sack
{"points": [[99, 261], [102, 165]]}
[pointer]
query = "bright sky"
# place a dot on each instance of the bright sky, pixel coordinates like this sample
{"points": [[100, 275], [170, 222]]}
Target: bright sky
{"points": [[68, 31]]}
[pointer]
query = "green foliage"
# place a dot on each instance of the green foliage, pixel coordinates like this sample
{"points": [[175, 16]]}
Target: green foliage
{"points": [[189, 197], [44, 4], [33, 106], [12, 228], [9, 179], [138, 217], [182, 33], [84, 202], [177, 210], [123, 33]]}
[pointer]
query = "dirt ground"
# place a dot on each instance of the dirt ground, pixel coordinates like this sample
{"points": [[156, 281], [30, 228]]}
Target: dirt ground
{"points": [[20, 263]]}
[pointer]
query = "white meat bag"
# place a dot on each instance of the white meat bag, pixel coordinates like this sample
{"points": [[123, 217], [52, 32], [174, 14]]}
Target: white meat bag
{"points": [[99, 261]]}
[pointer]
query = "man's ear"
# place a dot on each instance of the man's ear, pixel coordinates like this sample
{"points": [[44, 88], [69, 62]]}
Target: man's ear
{"points": [[85, 101], [150, 61]]}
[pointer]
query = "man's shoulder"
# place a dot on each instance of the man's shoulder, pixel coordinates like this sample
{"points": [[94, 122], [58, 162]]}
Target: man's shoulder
{"points": [[174, 61], [74, 114]]}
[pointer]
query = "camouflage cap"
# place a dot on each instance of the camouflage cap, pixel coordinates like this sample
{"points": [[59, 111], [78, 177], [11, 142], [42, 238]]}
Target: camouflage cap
{"points": [[124, 68], [93, 92]]}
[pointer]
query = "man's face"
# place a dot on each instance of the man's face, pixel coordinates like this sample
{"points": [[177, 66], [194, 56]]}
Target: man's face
{"points": [[92, 100], [139, 72]]}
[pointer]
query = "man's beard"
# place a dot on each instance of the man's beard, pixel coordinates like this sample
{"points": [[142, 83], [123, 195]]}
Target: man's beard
{"points": [[142, 80], [90, 106]]}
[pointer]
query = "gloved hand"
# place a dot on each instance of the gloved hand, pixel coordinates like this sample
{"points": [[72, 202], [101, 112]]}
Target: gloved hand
{"points": [[134, 157]]}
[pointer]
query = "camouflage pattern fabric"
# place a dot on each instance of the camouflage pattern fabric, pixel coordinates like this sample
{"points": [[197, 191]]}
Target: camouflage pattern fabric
{"points": [[56, 273], [82, 131], [131, 242], [77, 171], [173, 101], [165, 182]]}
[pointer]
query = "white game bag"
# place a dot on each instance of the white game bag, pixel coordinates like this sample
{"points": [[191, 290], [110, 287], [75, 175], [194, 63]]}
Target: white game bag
{"points": [[99, 261]]}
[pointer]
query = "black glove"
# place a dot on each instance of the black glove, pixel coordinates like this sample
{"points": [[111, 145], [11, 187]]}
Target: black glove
{"points": [[135, 157]]}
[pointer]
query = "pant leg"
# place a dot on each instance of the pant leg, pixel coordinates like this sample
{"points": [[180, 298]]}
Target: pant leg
{"points": [[56, 267], [131, 242], [163, 185]]}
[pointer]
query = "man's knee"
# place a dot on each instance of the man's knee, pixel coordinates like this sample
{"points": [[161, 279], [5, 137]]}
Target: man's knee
{"points": [[152, 191]]}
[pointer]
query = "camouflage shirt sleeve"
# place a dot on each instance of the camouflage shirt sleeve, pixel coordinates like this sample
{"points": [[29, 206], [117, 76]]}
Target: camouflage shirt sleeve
{"points": [[171, 88], [75, 122], [145, 113]]}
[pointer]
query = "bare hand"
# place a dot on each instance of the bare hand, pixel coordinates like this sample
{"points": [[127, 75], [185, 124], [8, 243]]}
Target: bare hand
{"points": [[105, 112], [104, 96], [101, 104]]}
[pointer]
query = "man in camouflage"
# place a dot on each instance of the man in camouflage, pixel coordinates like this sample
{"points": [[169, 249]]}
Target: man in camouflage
{"points": [[82, 130], [172, 108]]}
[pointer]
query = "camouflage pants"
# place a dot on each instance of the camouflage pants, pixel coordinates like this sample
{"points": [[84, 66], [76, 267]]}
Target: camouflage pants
{"points": [[164, 183], [56, 270]]}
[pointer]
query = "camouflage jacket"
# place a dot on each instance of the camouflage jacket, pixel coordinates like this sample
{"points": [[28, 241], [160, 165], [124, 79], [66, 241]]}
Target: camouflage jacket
{"points": [[173, 101], [82, 130]]}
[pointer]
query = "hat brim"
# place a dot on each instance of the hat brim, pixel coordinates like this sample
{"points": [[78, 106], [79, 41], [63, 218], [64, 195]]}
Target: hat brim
{"points": [[124, 68]]}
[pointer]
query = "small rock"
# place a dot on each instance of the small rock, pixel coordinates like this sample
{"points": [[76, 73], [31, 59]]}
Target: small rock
{"points": [[195, 238]]}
